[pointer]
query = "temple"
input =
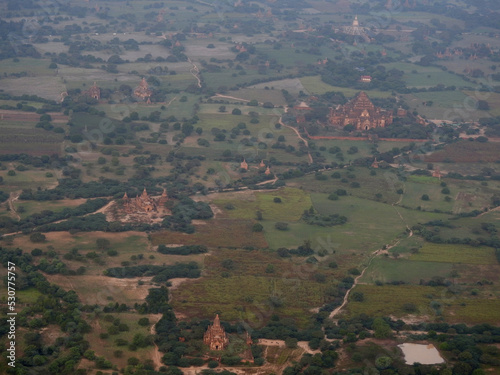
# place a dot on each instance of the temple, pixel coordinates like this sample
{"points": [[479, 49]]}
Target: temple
{"points": [[142, 91], [144, 203], [361, 113], [94, 92], [215, 336]]}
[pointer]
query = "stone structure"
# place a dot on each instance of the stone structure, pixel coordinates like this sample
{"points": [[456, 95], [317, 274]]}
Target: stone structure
{"points": [[215, 336], [142, 91], [361, 113], [94, 92], [355, 28], [144, 203]]}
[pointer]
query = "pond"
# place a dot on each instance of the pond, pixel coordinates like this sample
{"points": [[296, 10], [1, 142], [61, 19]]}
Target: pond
{"points": [[424, 354]]}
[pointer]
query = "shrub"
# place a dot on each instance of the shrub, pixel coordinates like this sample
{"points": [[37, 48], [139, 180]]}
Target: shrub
{"points": [[37, 237], [280, 225]]}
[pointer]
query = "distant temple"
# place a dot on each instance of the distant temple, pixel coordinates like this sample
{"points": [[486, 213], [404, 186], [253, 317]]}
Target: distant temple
{"points": [[142, 91], [361, 113], [215, 336], [144, 203], [94, 92], [355, 28]]}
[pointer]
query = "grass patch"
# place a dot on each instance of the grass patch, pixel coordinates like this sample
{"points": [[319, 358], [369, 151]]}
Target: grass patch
{"points": [[389, 300], [467, 152], [215, 234], [293, 203], [244, 291], [315, 85], [388, 270], [472, 311], [431, 252]]}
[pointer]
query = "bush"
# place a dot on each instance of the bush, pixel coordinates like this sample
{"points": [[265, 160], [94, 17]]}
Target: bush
{"points": [[37, 237], [280, 225], [425, 197], [277, 200], [236, 111], [257, 227]]}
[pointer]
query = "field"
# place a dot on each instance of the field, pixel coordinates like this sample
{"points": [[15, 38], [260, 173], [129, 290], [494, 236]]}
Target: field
{"points": [[467, 152], [202, 60], [420, 76], [455, 254], [215, 234], [390, 300], [292, 205], [246, 292], [107, 347], [316, 86], [387, 270]]}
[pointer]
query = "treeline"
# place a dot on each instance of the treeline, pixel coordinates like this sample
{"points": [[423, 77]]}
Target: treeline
{"points": [[432, 235], [48, 216], [161, 273], [313, 218], [182, 250]]}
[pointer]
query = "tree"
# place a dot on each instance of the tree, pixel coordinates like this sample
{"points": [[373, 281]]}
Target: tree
{"points": [[37, 237], [257, 227], [382, 328], [236, 111], [425, 197], [103, 243], [222, 108], [280, 225], [358, 296]]}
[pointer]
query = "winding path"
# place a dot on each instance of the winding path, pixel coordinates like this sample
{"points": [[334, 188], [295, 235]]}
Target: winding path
{"points": [[372, 256], [195, 72], [298, 135], [12, 198]]}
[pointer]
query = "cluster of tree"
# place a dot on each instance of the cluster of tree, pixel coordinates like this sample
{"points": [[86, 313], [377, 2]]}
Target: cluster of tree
{"points": [[185, 211], [403, 129], [54, 307], [431, 234], [313, 218], [47, 216], [182, 250], [160, 273]]}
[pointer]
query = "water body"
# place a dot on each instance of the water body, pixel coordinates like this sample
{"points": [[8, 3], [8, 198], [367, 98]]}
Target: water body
{"points": [[424, 354]]}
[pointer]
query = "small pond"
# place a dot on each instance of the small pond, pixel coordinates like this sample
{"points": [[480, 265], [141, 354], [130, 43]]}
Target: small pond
{"points": [[424, 354]]}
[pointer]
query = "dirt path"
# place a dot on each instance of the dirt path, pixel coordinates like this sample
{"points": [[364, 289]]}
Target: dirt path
{"points": [[298, 135], [487, 212], [373, 256], [156, 357], [268, 181], [14, 196], [232, 97], [195, 72]]}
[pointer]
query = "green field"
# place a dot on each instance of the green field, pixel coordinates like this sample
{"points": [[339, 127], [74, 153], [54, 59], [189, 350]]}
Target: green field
{"points": [[455, 254], [243, 292], [315, 85], [293, 203], [387, 270], [390, 300]]}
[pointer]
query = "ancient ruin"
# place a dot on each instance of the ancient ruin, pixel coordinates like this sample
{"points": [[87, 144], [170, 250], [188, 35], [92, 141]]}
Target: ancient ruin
{"points": [[145, 203], [94, 92], [215, 336], [361, 113], [142, 91]]}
